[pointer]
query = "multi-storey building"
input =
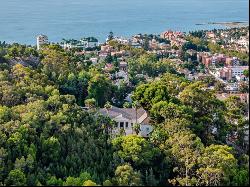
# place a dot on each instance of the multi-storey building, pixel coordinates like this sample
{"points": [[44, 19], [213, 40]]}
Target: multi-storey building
{"points": [[84, 43], [41, 40], [229, 72]]}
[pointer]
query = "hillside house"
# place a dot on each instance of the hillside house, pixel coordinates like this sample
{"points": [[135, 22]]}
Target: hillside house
{"points": [[126, 118]]}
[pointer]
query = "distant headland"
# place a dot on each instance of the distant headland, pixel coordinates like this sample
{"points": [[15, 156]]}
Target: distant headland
{"points": [[228, 24]]}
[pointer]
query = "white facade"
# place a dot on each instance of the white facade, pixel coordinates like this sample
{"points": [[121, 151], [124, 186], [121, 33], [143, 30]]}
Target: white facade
{"points": [[238, 70], [89, 44], [126, 118], [232, 87], [241, 78], [136, 45], [71, 45], [102, 56], [121, 40], [243, 42], [94, 60], [127, 125], [41, 40], [123, 123], [83, 43]]}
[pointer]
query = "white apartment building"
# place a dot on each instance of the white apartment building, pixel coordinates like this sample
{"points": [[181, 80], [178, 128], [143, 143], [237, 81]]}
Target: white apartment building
{"points": [[238, 70], [41, 40], [94, 60], [231, 71], [243, 42], [90, 42], [84, 43]]}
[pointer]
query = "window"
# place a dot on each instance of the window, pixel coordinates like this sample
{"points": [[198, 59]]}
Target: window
{"points": [[132, 125], [116, 124], [121, 124], [126, 125]]}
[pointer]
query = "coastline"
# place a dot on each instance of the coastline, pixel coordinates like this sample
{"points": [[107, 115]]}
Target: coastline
{"points": [[232, 24], [206, 26]]}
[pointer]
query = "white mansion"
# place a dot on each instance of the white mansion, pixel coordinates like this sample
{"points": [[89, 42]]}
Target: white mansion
{"points": [[125, 118]]}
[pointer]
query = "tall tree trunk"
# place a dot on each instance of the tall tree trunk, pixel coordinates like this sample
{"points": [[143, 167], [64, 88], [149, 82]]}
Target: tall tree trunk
{"points": [[135, 114], [187, 172]]}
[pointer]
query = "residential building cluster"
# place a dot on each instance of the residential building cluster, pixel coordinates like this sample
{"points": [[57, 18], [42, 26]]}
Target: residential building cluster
{"points": [[83, 43], [234, 39], [176, 38], [226, 69], [168, 45]]}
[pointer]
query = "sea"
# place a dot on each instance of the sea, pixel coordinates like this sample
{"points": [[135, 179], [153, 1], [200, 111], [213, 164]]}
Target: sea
{"points": [[22, 20]]}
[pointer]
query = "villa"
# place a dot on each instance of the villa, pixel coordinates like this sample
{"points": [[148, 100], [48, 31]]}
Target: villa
{"points": [[126, 118]]}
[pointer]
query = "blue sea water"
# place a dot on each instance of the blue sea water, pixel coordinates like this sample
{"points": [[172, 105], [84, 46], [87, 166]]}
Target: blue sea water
{"points": [[22, 20]]}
